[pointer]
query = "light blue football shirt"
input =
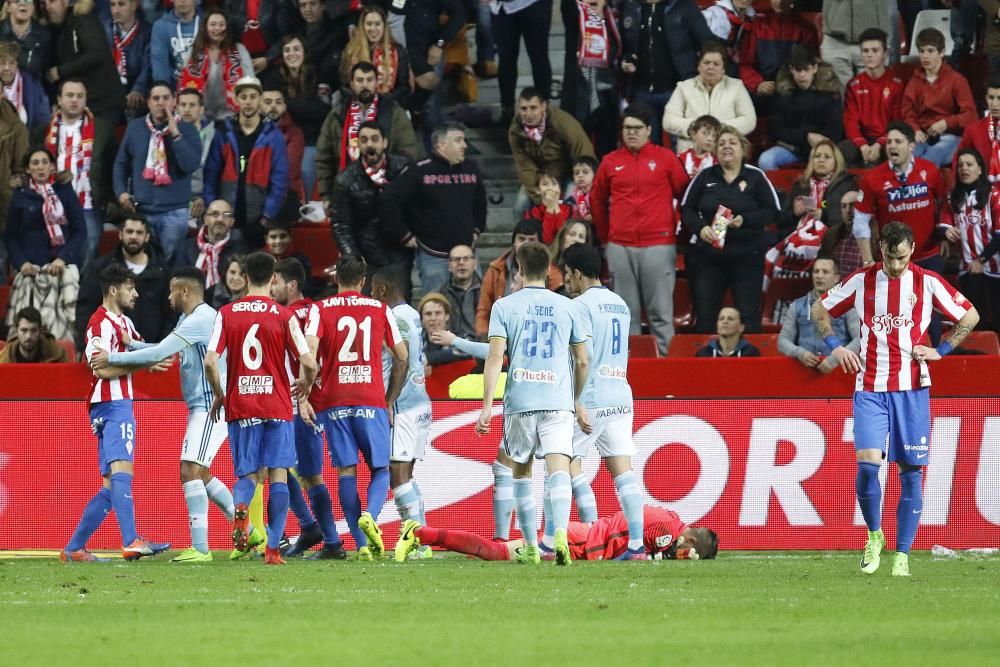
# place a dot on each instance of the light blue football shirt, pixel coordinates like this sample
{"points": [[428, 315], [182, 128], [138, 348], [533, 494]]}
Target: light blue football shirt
{"points": [[539, 326], [414, 393], [605, 317], [190, 337]]}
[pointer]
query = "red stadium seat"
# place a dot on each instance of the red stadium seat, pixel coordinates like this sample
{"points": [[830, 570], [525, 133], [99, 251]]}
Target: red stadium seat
{"points": [[69, 347], [767, 343], [4, 299], [782, 179], [683, 306], [816, 18], [317, 244], [643, 346], [782, 289], [685, 345], [982, 341], [109, 239]]}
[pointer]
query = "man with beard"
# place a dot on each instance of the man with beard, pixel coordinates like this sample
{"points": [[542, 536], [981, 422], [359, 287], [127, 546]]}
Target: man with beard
{"points": [[214, 245], [153, 169], [151, 312], [31, 344], [248, 164], [339, 140], [272, 104], [354, 205]]}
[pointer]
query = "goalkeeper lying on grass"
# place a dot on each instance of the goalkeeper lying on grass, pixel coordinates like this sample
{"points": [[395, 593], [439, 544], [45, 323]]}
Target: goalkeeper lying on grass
{"points": [[665, 536]]}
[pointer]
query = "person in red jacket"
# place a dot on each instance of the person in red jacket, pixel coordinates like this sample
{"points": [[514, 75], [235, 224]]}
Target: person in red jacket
{"points": [[872, 101], [767, 45], [984, 134], [634, 218], [937, 101], [272, 103], [553, 212]]}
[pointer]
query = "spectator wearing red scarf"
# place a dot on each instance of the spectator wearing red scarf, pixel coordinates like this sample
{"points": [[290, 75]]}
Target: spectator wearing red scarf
{"points": [[129, 37], [216, 64]]}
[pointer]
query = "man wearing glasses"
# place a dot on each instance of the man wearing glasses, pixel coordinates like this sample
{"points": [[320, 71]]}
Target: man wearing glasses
{"points": [[635, 221], [462, 289], [214, 245]]}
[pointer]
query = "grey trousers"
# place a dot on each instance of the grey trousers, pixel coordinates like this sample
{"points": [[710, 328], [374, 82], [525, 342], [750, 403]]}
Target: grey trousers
{"points": [[645, 277]]}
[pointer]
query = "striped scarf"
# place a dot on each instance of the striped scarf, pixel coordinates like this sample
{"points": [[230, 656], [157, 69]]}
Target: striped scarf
{"points": [[195, 74], [52, 210], [74, 149], [120, 43]]}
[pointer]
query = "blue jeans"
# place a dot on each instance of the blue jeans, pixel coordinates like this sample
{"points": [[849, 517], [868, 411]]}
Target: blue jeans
{"points": [[433, 110], [963, 28], [170, 228], [486, 47], [94, 230], [657, 102], [432, 270], [777, 157], [308, 171], [940, 153]]}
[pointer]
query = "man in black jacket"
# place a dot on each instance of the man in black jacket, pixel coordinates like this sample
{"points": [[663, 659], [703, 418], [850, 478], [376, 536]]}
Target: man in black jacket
{"points": [[445, 203], [354, 205], [81, 51], [152, 315]]}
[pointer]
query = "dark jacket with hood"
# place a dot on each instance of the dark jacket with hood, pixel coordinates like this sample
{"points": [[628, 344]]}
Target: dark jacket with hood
{"points": [[678, 30], [713, 349], [798, 112], [27, 238], [81, 52], [36, 47]]}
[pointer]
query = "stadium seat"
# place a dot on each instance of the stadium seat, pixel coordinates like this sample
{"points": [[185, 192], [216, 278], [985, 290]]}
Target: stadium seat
{"points": [[69, 347], [643, 346], [685, 345], [816, 18], [782, 289], [782, 179], [316, 243], [767, 343], [4, 299], [109, 239], [683, 305], [934, 18], [982, 341]]}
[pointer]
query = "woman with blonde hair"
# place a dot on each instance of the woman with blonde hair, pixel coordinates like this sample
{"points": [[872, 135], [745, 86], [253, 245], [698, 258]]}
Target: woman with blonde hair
{"points": [[574, 231], [372, 42], [818, 190]]}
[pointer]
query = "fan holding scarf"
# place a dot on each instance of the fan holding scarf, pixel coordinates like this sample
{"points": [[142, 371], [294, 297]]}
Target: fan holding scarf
{"points": [[217, 62]]}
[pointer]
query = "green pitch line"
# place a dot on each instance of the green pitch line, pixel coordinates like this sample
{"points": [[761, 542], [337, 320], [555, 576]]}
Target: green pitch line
{"points": [[745, 608]]}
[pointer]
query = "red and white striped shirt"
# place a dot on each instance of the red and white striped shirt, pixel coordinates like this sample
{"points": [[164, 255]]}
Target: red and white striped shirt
{"points": [[895, 314], [693, 164], [977, 227], [104, 331]]}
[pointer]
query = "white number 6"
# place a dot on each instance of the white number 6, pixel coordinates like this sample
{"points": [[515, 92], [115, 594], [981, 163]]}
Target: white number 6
{"points": [[253, 354]]}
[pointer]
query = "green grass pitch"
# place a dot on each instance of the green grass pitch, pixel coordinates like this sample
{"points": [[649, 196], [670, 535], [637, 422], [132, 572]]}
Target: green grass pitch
{"points": [[745, 608]]}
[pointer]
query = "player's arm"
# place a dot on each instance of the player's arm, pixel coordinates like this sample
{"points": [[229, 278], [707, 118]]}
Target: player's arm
{"points": [[581, 367], [400, 365], [214, 381], [491, 375], [955, 306], [848, 359], [308, 367], [150, 354], [471, 347], [861, 228]]}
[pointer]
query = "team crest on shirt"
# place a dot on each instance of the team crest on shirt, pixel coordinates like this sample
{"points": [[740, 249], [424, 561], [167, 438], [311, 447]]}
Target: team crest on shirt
{"points": [[652, 165], [886, 92], [923, 174], [912, 299], [743, 186], [664, 541]]}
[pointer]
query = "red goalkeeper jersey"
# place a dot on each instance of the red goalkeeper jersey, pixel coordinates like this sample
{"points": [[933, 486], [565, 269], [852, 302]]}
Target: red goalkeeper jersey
{"points": [[607, 538]]}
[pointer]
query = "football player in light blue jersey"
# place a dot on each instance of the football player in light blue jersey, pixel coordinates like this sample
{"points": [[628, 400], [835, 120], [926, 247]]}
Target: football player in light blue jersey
{"points": [[541, 335], [203, 437], [607, 396], [411, 423]]}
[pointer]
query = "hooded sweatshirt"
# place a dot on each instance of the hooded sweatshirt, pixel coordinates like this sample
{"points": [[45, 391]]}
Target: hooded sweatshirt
{"points": [[170, 45]]}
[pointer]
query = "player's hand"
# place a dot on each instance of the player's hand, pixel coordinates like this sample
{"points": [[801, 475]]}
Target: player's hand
{"points": [[809, 359], [445, 338], [483, 423], [126, 338], [216, 410], [300, 389], [583, 419], [847, 359], [924, 353], [100, 360], [308, 413], [162, 366]]}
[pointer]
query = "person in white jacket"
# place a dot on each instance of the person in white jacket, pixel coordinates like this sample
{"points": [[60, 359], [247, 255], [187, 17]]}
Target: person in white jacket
{"points": [[712, 93]]}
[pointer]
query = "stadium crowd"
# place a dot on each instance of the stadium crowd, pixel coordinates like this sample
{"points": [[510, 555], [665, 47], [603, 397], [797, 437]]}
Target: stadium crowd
{"points": [[203, 131]]}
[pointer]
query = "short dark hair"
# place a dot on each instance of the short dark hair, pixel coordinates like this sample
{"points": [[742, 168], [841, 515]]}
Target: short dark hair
{"points": [[533, 258], [640, 112], [874, 35], [392, 277], [895, 233], [713, 46], [705, 121], [708, 543], [28, 313], [829, 258], [37, 149], [442, 130], [802, 56], [370, 125], [584, 258], [114, 274], [903, 128], [587, 160], [63, 82], [930, 37], [993, 80], [272, 85], [192, 91], [739, 313], [547, 174], [259, 268], [351, 269], [133, 216], [191, 275], [363, 66], [527, 227], [291, 269], [530, 93], [161, 82]]}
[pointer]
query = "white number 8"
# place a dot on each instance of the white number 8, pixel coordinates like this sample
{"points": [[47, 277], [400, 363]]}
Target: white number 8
{"points": [[253, 353]]}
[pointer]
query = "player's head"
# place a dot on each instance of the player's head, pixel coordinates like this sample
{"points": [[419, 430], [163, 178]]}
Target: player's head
{"points": [[350, 273], [187, 288], [896, 243], [289, 277], [387, 285], [899, 140], [258, 267], [533, 258], [695, 540], [583, 267], [118, 287]]}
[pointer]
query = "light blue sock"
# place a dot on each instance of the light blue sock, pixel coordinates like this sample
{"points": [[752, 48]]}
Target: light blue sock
{"points": [[297, 502], [121, 500], [911, 505], [277, 513], [630, 497], [319, 496], [524, 501], [219, 494], [407, 501], [503, 500], [196, 498], [586, 503], [423, 515], [548, 528], [350, 502], [561, 498], [91, 519], [378, 491]]}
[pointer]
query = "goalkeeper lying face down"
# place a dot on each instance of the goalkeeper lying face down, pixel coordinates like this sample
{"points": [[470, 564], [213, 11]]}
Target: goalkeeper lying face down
{"points": [[664, 536]]}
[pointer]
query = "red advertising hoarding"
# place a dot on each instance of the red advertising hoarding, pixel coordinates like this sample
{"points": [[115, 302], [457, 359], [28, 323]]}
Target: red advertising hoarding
{"points": [[764, 473]]}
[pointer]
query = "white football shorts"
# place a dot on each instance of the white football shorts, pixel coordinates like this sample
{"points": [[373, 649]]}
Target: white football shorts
{"points": [[612, 433], [410, 431], [203, 438], [538, 433]]}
